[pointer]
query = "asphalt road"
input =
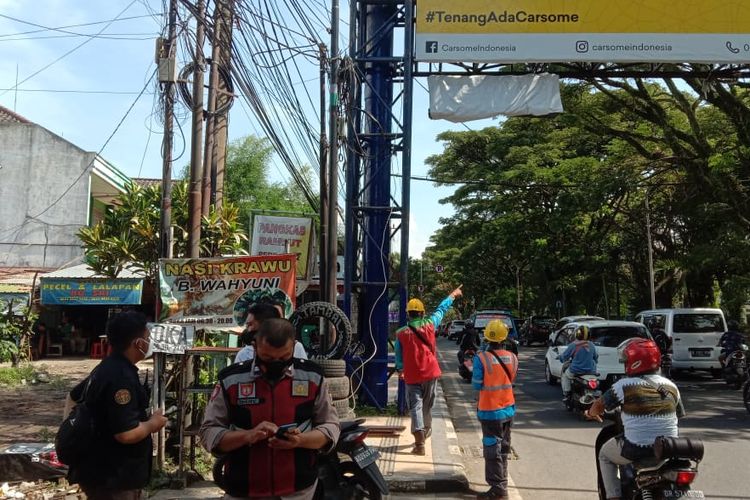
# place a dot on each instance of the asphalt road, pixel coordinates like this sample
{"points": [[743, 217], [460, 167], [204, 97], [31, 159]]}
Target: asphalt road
{"points": [[555, 449]]}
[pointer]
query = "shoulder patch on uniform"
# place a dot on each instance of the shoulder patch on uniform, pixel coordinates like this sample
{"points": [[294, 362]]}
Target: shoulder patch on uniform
{"points": [[122, 397]]}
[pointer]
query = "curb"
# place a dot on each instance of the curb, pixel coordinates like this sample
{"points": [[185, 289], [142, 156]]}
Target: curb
{"points": [[457, 483]]}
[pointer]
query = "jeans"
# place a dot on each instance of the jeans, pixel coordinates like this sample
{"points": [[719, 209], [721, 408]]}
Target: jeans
{"points": [[495, 449], [421, 399], [610, 457]]}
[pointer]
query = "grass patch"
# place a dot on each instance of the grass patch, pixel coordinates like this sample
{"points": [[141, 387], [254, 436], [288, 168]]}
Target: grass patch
{"points": [[46, 435], [22, 374], [391, 410]]}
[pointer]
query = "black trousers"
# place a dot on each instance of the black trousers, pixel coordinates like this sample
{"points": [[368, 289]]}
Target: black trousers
{"points": [[496, 447]]}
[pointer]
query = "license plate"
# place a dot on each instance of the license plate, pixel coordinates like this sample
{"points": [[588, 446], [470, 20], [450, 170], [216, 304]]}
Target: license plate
{"points": [[365, 456], [700, 353], [683, 494]]}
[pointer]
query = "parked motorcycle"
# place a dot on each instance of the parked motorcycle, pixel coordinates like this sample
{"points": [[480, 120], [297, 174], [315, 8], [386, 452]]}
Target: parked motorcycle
{"points": [[746, 395], [466, 364], [667, 475], [584, 390], [735, 368], [356, 478]]}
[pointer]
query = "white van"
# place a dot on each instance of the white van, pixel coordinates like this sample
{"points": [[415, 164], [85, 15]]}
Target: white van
{"points": [[695, 335]]}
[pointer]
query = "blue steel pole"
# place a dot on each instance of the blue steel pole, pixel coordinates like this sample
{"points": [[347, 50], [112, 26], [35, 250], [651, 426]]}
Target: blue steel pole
{"points": [[378, 101]]}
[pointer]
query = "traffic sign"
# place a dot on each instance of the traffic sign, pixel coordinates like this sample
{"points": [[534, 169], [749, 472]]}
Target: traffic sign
{"points": [[439, 268], [420, 288]]}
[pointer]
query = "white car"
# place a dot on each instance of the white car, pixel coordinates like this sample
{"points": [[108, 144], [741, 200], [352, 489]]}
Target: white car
{"points": [[606, 336]]}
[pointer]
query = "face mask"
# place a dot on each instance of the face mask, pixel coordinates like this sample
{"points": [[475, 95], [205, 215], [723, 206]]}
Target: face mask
{"points": [[275, 369], [247, 336], [149, 350]]}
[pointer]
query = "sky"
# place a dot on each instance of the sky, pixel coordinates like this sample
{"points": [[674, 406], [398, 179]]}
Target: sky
{"points": [[80, 87]]}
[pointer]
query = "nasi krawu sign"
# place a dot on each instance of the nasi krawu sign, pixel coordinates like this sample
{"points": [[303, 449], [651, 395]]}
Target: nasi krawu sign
{"points": [[218, 291], [710, 31]]}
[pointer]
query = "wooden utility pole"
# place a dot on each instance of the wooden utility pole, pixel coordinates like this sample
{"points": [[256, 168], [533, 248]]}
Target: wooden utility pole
{"points": [[223, 16], [167, 60], [196, 151]]}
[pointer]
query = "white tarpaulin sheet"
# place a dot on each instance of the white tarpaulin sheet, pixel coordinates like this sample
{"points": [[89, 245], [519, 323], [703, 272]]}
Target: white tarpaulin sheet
{"points": [[466, 98]]}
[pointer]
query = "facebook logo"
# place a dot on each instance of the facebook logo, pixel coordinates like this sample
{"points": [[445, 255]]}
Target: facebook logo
{"points": [[431, 47]]}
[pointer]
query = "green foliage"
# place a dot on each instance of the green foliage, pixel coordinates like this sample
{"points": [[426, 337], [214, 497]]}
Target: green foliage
{"points": [[15, 332], [13, 376], [555, 208]]}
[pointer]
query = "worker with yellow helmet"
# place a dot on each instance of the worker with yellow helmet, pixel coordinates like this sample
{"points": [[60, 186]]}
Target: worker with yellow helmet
{"points": [[494, 371], [417, 363]]}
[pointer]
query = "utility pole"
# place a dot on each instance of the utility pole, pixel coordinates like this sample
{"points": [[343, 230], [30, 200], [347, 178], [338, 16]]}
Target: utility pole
{"points": [[168, 61], [209, 167], [223, 15], [323, 247], [333, 138], [650, 255], [196, 162]]}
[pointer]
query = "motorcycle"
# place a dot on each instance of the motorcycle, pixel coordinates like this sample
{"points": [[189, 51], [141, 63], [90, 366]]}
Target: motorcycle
{"points": [[746, 395], [666, 475], [584, 390], [735, 368], [353, 479], [466, 364]]}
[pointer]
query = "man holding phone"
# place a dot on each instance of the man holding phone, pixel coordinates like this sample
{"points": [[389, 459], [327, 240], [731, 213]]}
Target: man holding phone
{"points": [[268, 418]]}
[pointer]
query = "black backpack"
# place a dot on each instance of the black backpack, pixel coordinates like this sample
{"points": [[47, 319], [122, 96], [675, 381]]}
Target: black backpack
{"points": [[77, 433]]}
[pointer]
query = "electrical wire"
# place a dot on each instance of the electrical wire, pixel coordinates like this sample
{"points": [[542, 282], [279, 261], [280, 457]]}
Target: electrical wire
{"points": [[62, 28], [71, 50]]}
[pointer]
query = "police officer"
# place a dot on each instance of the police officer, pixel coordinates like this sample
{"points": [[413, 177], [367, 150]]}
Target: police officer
{"points": [[249, 404], [494, 372], [120, 465]]}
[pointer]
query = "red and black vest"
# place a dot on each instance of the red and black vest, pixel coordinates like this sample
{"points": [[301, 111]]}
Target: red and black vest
{"points": [[258, 470]]}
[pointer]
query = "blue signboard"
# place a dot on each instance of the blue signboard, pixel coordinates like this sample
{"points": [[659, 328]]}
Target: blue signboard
{"points": [[76, 292]]}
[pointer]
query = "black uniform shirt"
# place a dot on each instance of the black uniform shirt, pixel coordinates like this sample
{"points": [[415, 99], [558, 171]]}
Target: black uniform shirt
{"points": [[118, 402]]}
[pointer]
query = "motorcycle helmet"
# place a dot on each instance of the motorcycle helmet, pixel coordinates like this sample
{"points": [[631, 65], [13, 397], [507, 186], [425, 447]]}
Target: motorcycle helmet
{"points": [[582, 332], [496, 331], [415, 305], [640, 356], [733, 325]]}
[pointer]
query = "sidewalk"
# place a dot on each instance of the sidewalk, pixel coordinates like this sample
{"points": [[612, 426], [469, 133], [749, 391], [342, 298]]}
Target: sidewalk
{"points": [[439, 471]]}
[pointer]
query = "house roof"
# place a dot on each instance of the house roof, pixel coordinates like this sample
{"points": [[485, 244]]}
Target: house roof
{"points": [[21, 275], [8, 116], [83, 271]]}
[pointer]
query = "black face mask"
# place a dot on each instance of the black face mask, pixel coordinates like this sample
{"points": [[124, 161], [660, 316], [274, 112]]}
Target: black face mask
{"points": [[247, 336], [275, 369]]}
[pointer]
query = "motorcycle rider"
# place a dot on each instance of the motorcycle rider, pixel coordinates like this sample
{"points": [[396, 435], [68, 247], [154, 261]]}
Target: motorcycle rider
{"points": [[650, 405], [730, 341], [583, 358], [469, 340], [494, 372]]}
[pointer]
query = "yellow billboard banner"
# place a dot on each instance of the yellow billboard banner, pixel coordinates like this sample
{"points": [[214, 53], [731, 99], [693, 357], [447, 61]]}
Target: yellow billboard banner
{"points": [[549, 31], [583, 16]]}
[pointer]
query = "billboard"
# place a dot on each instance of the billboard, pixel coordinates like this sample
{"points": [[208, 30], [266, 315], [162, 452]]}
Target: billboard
{"points": [[84, 292], [271, 234], [710, 31], [216, 292]]}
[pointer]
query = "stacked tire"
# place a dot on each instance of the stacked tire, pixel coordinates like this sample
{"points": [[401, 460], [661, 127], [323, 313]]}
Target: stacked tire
{"points": [[339, 386]]}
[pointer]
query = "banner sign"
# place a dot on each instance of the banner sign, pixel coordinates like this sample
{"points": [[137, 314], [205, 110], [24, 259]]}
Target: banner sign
{"points": [[708, 31], [73, 292], [218, 292], [271, 234], [172, 339]]}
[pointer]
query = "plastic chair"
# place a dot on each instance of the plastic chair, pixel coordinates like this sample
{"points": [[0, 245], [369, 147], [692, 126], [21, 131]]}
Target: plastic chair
{"points": [[97, 351], [55, 350]]}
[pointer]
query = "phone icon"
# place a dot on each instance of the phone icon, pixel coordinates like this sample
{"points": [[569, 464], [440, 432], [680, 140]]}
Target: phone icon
{"points": [[731, 48]]}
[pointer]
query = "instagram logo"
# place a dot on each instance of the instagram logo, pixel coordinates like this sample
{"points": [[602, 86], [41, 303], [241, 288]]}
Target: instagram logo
{"points": [[582, 46]]}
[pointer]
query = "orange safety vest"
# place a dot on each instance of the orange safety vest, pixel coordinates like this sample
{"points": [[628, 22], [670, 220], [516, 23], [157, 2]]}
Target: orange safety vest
{"points": [[497, 389]]}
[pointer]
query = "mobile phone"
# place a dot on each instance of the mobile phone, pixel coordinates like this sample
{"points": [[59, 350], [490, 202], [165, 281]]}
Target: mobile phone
{"points": [[281, 433]]}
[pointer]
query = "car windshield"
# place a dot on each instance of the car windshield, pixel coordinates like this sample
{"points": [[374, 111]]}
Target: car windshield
{"points": [[612, 336], [482, 320], [698, 323]]}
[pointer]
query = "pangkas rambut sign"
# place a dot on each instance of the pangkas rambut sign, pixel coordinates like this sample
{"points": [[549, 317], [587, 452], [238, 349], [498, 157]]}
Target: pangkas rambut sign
{"points": [[271, 235]]}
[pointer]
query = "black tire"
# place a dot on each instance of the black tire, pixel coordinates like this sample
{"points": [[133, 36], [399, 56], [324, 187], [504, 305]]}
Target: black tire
{"points": [[336, 316], [551, 380], [339, 387], [360, 483], [332, 368]]}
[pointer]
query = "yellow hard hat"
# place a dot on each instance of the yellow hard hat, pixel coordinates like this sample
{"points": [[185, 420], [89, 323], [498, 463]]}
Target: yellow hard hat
{"points": [[496, 331], [415, 305]]}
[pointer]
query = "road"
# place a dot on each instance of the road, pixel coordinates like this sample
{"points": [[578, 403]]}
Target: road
{"points": [[554, 450]]}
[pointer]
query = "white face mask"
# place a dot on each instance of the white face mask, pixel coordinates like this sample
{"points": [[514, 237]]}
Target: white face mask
{"points": [[149, 350]]}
